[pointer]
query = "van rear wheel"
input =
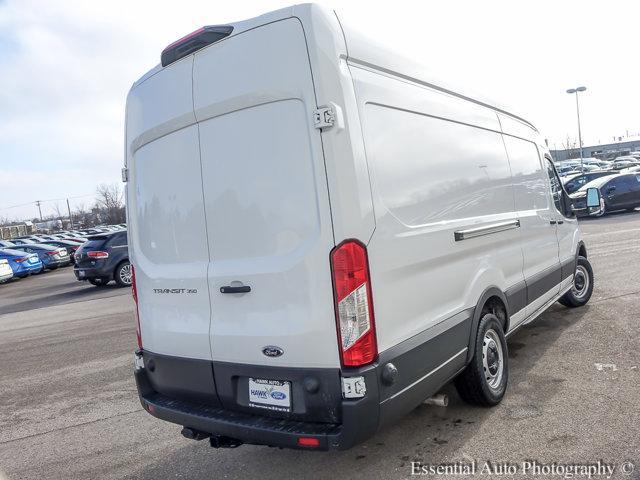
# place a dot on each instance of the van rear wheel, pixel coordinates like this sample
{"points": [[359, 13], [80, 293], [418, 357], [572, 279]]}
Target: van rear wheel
{"points": [[582, 288], [484, 381]]}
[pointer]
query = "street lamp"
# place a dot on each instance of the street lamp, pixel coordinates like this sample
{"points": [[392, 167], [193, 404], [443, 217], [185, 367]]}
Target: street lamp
{"points": [[571, 91]]}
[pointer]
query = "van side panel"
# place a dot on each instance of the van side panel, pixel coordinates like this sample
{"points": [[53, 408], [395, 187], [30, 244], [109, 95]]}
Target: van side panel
{"points": [[167, 228], [537, 233], [346, 165], [434, 173], [266, 200]]}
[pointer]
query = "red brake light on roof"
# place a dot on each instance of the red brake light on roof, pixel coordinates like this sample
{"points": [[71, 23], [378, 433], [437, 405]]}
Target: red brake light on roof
{"points": [[134, 293], [193, 42], [98, 254], [353, 304]]}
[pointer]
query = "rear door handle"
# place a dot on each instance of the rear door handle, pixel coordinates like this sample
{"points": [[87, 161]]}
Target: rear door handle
{"points": [[230, 289]]}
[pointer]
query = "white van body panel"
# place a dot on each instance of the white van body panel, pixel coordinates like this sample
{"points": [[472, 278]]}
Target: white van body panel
{"points": [[166, 215], [421, 275], [266, 199]]}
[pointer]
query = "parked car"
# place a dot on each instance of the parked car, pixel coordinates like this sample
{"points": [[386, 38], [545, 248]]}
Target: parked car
{"points": [[6, 244], [242, 266], [52, 257], [23, 264], [631, 169], [618, 192], [624, 162], [28, 239], [6, 273], [68, 245], [573, 183], [103, 258]]}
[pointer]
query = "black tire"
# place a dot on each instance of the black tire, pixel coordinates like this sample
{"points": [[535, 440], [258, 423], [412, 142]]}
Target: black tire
{"points": [[122, 275], [473, 384], [579, 294], [98, 282]]}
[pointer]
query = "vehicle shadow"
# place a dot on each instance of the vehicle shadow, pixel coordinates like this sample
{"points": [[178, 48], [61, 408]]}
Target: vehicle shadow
{"points": [[427, 434], [69, 296]]}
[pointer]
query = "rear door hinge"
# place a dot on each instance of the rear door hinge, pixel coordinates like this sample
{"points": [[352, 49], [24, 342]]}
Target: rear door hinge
{"points": [[323, 117], [125, 174]]}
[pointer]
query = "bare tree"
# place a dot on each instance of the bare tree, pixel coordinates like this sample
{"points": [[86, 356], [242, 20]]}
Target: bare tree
{"points": [[110, 202], [570, 144], [58, 213]]}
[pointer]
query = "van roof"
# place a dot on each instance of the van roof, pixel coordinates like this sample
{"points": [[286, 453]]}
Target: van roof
{"points": [[366, 51]]}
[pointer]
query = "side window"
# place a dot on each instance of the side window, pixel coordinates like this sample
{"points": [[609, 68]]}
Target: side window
{"points": [[528, 176], [556, 186], [120, 240]]}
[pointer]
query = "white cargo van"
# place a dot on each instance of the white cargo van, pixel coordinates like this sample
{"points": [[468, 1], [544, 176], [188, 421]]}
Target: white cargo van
{"points": [[324, 235]]}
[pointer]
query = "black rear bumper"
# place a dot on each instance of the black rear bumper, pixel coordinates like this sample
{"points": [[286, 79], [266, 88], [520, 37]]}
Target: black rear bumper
{"points": [[184, 404], [212, 397]]}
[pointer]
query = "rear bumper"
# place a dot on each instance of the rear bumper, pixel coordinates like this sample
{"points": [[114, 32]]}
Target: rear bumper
{"points": [[212, 397], [92, 272], [29, 269], [181, 404]]}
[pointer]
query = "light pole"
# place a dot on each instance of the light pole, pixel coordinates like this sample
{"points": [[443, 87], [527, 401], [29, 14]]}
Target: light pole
{"points": [[571, 91]]}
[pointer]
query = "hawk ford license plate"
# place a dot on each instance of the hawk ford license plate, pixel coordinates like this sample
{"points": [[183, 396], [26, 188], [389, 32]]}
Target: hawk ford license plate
{"points": [[270, 394]]}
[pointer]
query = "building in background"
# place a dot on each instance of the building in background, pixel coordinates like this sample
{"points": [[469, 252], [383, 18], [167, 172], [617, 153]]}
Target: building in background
{"points": [[607, 151]]}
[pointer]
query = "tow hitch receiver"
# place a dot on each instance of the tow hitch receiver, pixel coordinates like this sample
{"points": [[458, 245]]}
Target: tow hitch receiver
{"points": [[219, 441]]}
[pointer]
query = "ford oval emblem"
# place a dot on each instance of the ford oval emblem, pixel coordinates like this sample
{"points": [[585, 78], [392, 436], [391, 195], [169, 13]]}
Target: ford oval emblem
{"points": [[272, 351], [278, 395]]}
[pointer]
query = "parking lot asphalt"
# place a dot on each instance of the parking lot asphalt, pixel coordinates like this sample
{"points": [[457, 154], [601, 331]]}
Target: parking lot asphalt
{"points": [[69, 409]]}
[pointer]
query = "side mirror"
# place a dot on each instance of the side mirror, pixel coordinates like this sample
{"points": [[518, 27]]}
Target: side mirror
{"points": [[593, 198]]}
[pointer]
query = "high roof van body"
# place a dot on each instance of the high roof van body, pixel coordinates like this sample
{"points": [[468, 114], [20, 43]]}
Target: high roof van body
{"points": [[324, 234]]}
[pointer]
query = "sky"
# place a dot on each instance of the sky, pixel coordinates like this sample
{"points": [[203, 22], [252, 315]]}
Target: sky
{"points": [[66, 67]]}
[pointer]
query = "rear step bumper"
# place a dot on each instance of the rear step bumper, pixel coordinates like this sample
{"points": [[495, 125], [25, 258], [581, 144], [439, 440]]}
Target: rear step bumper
{"points": [[248, 428], [358, 417]]}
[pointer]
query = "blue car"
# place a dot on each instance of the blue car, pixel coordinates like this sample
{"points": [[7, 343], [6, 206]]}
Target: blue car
{"points": [[23, 264], [51, 256], [6, 244]]}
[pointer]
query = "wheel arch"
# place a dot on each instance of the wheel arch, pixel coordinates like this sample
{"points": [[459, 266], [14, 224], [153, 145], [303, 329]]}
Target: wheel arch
{"points": [[492, 300], [582, 250]]}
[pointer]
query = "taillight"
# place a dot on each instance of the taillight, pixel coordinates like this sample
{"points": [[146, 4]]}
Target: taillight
{"points": [[194, 41], [134, 293], [353, 304], [98, 254], [53, 253], [20, 260]]}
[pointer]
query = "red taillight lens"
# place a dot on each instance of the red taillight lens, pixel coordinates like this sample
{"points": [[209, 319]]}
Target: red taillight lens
{"points": [[134, 293], [52, 253], [353, 304], [308, 442], [98, 254], [20, 260]]}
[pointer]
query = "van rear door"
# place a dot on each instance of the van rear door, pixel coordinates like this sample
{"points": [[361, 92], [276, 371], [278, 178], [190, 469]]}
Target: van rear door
{"points": [[165, 211], [266, 201]]}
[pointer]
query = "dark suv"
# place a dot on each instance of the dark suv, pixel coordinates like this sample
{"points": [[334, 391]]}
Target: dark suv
{"points": [[103, 258]]}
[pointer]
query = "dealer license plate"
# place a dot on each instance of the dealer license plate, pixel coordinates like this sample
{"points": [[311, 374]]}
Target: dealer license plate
{"points": [[270, 394]]}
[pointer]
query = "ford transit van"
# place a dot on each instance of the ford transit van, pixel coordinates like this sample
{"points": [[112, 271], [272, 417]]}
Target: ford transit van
{"points": [[323, 234]]}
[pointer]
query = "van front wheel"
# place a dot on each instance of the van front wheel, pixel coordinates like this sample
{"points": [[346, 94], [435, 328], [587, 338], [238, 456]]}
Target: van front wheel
{"points": [[484, 381], [582, 288]]}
